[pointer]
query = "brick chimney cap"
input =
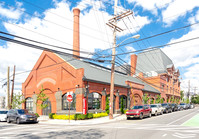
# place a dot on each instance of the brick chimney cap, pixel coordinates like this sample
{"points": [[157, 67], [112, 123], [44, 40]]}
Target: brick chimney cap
{"points": [[76, 9]]}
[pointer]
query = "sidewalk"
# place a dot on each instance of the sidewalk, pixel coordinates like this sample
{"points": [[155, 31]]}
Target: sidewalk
{"points": [[116, 117]]}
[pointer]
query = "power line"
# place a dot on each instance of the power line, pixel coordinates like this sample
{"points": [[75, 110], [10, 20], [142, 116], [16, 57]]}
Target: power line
{"points": [[153, 36], [44, 43], [151, 48], [91, 36]]}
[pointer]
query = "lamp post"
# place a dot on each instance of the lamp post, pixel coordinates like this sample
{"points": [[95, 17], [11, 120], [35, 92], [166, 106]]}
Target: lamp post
{"points": [[112, 73]]}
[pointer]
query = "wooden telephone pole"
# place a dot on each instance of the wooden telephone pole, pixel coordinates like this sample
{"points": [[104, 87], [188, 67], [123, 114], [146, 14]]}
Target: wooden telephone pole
{"points": [[8, 88], [12, 87], [113, 24]]}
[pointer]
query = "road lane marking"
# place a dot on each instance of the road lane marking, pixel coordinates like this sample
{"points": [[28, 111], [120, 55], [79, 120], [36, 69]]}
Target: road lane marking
{"points": [[164, 135], [182, 136], [181, 118]]}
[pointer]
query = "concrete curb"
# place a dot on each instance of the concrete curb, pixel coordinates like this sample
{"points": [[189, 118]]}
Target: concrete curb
{"points": [[83, 122]]}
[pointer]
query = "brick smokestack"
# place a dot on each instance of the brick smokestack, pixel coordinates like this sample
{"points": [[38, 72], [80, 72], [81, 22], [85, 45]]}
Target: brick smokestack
{"points": [[133, 64], [76, 47]]}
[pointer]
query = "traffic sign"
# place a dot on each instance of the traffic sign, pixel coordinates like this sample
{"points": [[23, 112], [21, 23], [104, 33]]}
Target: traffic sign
{"points": [[69, 98]]}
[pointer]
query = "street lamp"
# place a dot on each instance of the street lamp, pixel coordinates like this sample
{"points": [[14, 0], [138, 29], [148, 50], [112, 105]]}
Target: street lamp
{"points": [[112, 73], [135, 37]]}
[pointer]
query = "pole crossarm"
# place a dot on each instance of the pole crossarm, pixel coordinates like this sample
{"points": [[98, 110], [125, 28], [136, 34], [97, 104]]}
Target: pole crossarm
{"points": [[112, 22]]}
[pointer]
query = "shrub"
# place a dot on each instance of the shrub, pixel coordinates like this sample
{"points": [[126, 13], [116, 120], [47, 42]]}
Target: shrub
{"points": [[122, 106], [107, 105], [37, 115], [125, 111], [99, 115], [51, 115], [90, 115]]}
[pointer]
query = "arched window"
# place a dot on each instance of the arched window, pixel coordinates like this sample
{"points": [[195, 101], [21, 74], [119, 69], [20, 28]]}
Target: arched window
{"points": [[65, 103], [29, 104], [124, 101], [94, 101]]}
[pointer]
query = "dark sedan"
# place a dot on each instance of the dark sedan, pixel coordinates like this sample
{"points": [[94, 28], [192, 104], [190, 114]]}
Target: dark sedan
{"points": [[167, 107], [20, 116], [174, 107]]}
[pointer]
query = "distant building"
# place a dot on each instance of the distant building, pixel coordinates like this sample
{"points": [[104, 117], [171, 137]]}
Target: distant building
{"points": [[2, 102]]}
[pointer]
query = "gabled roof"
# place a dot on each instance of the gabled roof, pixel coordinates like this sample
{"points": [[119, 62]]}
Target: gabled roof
{"points": [[97, 73], [153, 60]]}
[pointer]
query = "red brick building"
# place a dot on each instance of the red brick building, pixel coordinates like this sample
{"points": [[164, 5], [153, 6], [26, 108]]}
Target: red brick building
{"points": [[63, 75]]}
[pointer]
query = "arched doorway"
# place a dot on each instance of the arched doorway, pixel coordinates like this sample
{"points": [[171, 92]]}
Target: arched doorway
{"points": [[29, 104], [46, 110], [124, 101], [136, 100]]}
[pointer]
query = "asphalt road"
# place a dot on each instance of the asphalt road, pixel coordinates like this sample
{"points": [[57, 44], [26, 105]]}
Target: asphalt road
{"points": [[167, 126]]}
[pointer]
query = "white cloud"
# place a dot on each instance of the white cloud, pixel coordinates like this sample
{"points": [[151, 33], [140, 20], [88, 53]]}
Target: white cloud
{"points": [[11, 12], [151, 5], [178, 8], [130, 48]]}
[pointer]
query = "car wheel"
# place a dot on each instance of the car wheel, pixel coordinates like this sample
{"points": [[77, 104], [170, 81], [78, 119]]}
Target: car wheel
{"points": [[156, 113], [141, 116], [8, 120], [128, 118], [17, 121], [150, 115]]}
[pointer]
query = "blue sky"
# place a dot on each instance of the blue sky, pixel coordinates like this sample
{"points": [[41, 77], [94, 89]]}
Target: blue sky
{"points": [[51, 21]]}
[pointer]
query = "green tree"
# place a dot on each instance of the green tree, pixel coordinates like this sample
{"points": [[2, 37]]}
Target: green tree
{"points": [[42, 97], [152, 101], [107, 105], [172, 99], [145, 98], [17, 100], [157, 100], [122, 106], [161, 100], [187, 101], [181, 95]]}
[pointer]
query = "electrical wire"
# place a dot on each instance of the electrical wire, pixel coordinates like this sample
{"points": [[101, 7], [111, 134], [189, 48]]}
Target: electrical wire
{"points": [[159, 34]]}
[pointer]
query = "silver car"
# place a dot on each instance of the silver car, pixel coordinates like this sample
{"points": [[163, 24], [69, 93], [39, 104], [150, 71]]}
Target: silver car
{"points": [[156, 109], [3, 115]]}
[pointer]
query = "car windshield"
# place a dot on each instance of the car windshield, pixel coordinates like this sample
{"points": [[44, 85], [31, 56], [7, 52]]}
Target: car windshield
{"points": [[163, 104], [173, 104], [137, 107], [22, 111], [182, 104], [153, 106], [3, 112]]}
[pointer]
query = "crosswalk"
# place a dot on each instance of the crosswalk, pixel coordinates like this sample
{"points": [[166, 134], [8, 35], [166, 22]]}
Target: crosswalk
{"points": [[11, 131]]}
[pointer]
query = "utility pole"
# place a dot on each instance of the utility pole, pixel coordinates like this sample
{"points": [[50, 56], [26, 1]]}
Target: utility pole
{"points": [[8, 88], [113, 24], [13, 80], [113, 65], [188, 89]]}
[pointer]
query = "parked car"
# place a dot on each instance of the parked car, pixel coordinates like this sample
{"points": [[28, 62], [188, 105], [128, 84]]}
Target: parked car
{"points": [[167, 107], [20, 116], [184, 105], [174, 107], [139, 111], [3, 115], [188, 106], [156, 109], [180, 108], [192, 106]]}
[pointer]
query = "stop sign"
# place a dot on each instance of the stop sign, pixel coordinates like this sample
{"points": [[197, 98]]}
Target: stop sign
{"points": [[69, 98]]}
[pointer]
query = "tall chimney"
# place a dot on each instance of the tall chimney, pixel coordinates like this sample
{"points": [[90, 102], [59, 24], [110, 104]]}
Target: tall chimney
{"points": [[133, 64], [76, 48]]}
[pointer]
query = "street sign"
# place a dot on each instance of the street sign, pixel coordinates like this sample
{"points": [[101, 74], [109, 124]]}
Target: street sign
{"points": [[69, 98]]}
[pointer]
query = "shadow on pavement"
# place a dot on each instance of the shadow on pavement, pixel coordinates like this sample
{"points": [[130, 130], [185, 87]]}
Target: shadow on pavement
{"points": [[73, 134]]}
